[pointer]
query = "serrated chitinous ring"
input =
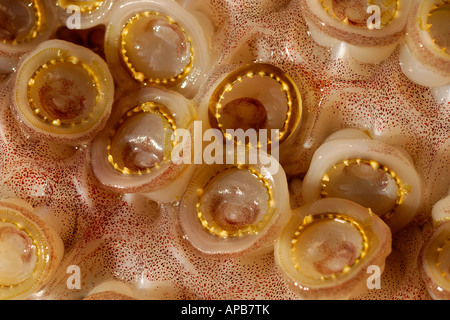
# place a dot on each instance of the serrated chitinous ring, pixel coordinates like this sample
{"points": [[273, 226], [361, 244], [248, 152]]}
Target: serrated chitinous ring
{"points": [[434, 263], [169, 128], [441, 211], [234, 209], [356, 166], [85, 6], [154, 42], [36, 8], [442, 257], [402, 190], [30, 251], [287, 86], [334, 21], [135, 151], [425, 56], [368, 31], [217, 230], [310, 220], [434, 259], [141, 76], [340, 11], [60, 60], [433, 18], [83, 14], [441, 8], [326, 247], [54, 106]]}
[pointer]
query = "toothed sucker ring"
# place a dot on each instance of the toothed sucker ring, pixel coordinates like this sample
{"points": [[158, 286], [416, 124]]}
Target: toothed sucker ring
{"points": [[224, 150]]}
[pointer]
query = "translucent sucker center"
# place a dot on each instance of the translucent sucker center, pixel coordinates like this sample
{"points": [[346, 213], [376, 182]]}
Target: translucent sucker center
{"points": [[359, 12], [233, 203], [363, 182], [141, 140], [156, 49], [243, 113], [253, 101], [327, 246], [17, 255], [20, 20], [62, 93], [438, 24]]}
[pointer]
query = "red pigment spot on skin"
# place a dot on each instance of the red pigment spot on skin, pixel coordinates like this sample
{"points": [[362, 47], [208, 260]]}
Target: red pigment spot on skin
{"points": [[30, 186], [61, 99], [243, 113], [335, 260], [10, 232]]}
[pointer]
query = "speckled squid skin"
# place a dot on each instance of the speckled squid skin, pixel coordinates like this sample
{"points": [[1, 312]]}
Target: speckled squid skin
{"points": [[131, 239]]}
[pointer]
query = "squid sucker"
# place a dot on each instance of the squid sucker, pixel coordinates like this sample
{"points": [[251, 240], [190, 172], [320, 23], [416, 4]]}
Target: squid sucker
{"points": [[224, 150]]}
